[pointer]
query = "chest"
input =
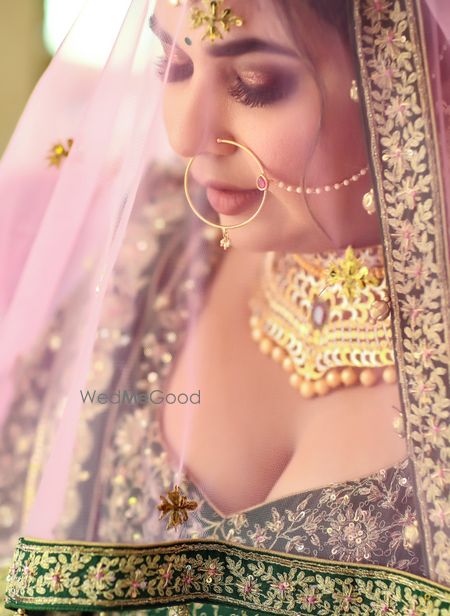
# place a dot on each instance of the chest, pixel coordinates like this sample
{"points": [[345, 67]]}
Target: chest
{"points": [[252, 437]]}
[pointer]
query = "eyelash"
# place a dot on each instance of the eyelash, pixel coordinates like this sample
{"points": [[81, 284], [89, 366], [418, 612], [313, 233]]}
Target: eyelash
{"points": [[246, 95], [177, 72], [261, 96]]}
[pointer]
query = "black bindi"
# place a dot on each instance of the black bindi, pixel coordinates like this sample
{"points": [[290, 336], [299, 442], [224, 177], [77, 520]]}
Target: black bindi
{"points": [[188, 41]]}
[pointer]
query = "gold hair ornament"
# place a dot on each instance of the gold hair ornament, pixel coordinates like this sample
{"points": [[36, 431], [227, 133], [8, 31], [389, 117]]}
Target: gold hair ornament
{"points": [[215, 19], [325, 343], [262, 185]]}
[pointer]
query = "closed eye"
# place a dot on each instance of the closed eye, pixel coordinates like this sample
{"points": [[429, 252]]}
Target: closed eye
{"points": [[175, 72]]}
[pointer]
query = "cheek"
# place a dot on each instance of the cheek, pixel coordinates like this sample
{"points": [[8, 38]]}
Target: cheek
{"points": [[284, 135], [341, 149], [170, 117]]}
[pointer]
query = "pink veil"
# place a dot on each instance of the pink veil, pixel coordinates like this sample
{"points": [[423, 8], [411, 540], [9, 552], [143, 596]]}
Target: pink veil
{"points": [[65, 226]]}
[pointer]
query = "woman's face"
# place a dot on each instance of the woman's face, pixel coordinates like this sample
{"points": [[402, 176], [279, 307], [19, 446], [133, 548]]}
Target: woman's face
{"points": [[285, 98]]}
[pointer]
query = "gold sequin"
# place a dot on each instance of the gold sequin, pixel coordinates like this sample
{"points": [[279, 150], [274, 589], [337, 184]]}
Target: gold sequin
{"points": [[6, 516], [161, 301], [142, 245], [171, 337], [189, 284], [159, 224], [55, 342], [99, 365]]}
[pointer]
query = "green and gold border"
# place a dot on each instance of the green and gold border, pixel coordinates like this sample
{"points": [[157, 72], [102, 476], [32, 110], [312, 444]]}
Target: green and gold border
{"points": [[93, 576], [398, 107]]}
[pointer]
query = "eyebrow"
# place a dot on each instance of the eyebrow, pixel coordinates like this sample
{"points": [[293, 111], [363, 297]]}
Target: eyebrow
{"points": [[231, 48], [248, 45], [163, 36]]}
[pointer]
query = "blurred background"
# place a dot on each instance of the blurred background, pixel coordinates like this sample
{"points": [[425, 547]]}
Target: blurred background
{"points": [[30, 33], [23, 57]]}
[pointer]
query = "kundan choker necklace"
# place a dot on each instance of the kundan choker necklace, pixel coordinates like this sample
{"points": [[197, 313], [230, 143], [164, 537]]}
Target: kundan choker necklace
{"points": [[325, 319]]}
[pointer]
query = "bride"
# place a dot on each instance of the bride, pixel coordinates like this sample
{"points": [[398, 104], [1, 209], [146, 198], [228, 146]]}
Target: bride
{"points": [[285, 100]]}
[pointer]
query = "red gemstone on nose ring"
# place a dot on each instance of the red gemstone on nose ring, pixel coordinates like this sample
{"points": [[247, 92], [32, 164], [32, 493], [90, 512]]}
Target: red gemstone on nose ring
{"points": [[262, 183]]}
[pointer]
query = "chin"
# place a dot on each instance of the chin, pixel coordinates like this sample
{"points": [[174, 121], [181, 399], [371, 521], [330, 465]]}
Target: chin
{"points": [[275, 229]]}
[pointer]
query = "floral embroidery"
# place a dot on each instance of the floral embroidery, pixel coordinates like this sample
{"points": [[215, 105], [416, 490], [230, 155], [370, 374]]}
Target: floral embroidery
{"points": [[153, 576], [399, 111], [354, 535]]}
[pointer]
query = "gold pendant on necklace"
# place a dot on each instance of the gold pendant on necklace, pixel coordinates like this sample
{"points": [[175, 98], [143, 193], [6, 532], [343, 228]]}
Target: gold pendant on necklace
{"points": [[324, 320]]}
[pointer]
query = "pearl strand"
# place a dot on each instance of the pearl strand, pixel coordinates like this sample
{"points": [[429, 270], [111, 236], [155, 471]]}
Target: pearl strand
{"points": [[319, 189]]}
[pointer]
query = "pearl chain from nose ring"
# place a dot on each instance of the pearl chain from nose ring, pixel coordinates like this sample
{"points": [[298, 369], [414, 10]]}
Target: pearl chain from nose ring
{"points": [[319, 189]]}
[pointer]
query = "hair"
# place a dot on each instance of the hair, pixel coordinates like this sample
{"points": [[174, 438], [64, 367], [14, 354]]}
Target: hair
{"points": [[335, 12]]}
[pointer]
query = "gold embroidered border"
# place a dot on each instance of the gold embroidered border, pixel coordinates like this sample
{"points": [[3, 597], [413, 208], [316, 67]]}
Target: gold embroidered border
{"points": [[83, 576], [402, 138]]}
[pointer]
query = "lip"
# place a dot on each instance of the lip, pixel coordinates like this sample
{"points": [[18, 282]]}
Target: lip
{"points": [[231, 201], [227, 199]]}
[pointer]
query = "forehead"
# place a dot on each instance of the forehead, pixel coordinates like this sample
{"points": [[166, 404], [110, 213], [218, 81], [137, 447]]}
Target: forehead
{"points": [[203, 21]]}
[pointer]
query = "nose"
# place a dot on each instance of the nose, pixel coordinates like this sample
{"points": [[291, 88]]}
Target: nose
{"points": [[196, 117]]}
